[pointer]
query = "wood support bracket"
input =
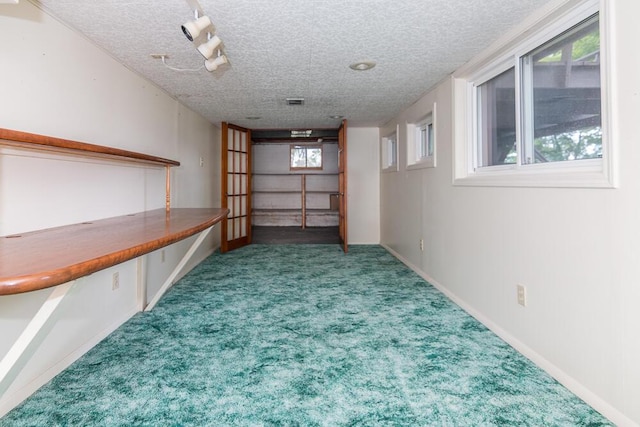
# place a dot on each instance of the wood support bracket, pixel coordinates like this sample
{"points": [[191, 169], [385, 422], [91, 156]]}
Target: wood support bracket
{"points": [[169, 282], [20, 352]]}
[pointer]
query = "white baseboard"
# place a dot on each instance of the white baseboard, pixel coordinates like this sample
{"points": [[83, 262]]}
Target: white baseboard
{"points": [[13, 399], [562, 377]]}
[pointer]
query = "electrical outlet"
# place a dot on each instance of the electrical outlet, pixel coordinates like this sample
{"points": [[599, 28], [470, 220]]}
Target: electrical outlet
{"points": [[422, 245], [162, 256], [115, 283], [201, 162], [522, 295]]}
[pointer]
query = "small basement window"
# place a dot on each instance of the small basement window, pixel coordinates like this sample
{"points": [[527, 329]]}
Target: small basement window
{"points": [[389, 152], [421, 142], [306, 157]]}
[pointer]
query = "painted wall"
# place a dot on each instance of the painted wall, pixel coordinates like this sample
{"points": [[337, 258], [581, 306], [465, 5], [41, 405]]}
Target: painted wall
{"points": [[274, 158], [363, 186], [54, 82], [576, 250]]}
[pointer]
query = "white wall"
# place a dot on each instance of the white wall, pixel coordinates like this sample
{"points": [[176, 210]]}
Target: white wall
{"points": [[274, 158], [576, 250], [54, 82], [363, 186]]}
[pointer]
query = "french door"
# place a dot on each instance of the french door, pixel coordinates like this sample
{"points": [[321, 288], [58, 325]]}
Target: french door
{"points": [[236, 187], [342, 184]]}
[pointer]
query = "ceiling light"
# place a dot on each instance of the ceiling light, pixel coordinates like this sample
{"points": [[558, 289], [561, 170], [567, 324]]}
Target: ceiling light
{"points": [[253, 118], [336, 116], [208, 48], [362, 66], [192, 29], [213, 64]]}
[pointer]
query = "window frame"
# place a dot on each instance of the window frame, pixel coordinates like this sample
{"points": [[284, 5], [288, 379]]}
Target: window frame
{"points": [[387, 144], [306, 147], [414, 158], [537, 31]]}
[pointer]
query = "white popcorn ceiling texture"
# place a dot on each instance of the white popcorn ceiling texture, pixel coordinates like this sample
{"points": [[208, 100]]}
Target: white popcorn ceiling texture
{"points": [[286, 48]]}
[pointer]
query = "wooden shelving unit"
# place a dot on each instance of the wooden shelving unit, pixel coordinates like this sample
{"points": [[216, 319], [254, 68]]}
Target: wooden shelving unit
{"points": [[46, 258], [56, 257], [295, 199]]}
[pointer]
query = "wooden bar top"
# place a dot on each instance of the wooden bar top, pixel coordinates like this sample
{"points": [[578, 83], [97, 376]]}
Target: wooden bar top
{"points": [[50, 257]]}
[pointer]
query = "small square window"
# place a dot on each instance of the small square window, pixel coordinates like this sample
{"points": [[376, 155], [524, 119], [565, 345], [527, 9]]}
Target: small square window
{"points": [[389, 148], [421, 144], [306, 157]]}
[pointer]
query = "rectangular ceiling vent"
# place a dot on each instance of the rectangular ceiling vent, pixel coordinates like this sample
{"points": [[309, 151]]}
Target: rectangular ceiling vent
{"points": [[295, 101]]}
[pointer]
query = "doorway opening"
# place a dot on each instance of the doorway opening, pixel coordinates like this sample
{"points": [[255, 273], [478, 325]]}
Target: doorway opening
{"points": [[295, 186]]}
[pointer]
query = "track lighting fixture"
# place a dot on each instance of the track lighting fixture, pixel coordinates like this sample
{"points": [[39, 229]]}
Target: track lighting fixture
{"points": [[213, 64], [192, 29], [208, 48]]}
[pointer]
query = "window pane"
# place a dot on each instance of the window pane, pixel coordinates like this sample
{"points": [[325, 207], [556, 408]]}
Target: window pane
{"points": [[497, 120], [314, 157], [566, 96], [431, 140], [298, 157], [422, 141], [393, 152]]}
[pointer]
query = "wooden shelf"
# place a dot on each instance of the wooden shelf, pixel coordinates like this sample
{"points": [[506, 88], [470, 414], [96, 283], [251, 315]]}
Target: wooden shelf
{"points": [[277, 191], [33, 141], [50, 257]]}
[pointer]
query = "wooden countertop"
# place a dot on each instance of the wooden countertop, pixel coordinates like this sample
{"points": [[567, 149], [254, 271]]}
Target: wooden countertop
{"points": [[50, 257]]}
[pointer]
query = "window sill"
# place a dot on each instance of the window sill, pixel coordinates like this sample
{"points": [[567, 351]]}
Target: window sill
{"points": [[586, 174], [422, 164], [390, 169]]}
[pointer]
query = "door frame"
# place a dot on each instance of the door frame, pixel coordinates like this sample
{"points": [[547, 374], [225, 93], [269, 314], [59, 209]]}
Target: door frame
{"points": [[342, 185], [244, 238]]}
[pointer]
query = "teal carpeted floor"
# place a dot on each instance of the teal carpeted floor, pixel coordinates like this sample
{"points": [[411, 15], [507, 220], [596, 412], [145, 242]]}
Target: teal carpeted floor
{"points": [[303, 336]]}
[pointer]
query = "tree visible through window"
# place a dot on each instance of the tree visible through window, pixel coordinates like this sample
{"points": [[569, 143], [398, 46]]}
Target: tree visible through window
{"points": [[306, 157], [560, 103], [566, 96]]}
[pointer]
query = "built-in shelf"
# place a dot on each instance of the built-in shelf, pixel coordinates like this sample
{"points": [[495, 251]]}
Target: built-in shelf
{"points": [[56, 257], [33, 141], [46, 258], [295, 199]]}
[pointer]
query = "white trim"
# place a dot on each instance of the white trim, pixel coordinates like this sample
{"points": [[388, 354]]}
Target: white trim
{"points": [[577, 388]]}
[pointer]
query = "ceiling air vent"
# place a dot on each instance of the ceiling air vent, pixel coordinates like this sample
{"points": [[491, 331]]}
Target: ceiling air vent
{"points": [[295, 101]]}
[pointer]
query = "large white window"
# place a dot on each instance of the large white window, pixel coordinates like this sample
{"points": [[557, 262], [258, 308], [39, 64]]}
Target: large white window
{"points": [[421, 142], [536, 115]]}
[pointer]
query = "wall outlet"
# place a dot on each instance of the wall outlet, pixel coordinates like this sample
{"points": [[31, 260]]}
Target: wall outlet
{"points": [[201, 162], [422, 245], [115, 282], [522, 295], [162, 256]]}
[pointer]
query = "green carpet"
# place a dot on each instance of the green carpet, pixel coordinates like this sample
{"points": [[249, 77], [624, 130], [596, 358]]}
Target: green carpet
{"points": [[303, 336]]}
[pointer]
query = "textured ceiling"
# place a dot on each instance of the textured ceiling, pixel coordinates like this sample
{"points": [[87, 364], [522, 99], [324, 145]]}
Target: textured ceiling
{"points": [[286, 48]]}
